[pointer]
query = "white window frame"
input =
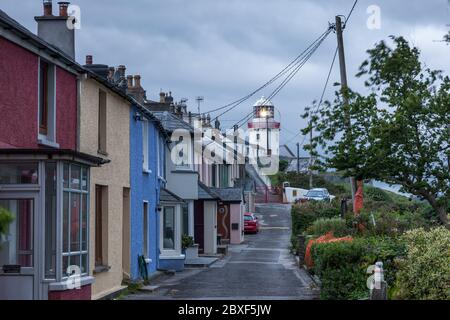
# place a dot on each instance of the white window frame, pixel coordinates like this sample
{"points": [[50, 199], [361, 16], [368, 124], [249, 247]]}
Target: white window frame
{"points": [[48, 139], [145, 153]]}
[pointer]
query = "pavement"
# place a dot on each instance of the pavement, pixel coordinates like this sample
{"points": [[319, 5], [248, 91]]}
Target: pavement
{"points": [[261, 268]]}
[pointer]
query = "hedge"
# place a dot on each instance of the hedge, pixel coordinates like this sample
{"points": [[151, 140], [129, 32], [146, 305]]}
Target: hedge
{"points": [[342, 266]]}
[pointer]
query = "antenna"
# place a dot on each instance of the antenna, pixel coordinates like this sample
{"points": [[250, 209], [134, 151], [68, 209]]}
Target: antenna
{"points": [[199, 100]]}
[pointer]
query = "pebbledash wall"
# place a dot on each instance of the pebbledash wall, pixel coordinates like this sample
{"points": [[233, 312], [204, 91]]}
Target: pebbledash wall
{"points": [[145, 188], [19, 103], [115, 177]]}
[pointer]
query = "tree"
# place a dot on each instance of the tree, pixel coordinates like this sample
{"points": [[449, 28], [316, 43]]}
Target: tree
{"points": [[399, 133], [6, 218]]}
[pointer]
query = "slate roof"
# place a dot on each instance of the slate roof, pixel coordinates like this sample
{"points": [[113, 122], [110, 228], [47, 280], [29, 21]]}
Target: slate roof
{"points": [[168, 196], [205, 193], [229, 194], [170, 122]]}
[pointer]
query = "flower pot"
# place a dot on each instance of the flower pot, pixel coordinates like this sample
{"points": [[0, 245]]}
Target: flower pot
{"points": [[192, 252]]}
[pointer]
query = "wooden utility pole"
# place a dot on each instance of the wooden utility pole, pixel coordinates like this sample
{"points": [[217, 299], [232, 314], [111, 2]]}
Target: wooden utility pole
{"points": [[310, 154], [298, 157], [344, 86]]}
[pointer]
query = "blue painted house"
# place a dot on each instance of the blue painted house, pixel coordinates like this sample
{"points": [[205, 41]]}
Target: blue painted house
{"points": [[147, 179]]}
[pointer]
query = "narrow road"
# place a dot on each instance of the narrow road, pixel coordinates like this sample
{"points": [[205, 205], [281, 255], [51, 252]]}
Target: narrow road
{"points": [[260, 268]]}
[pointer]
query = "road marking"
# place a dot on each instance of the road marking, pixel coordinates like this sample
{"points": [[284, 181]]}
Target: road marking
{"points": [[273, 215], [275, 228]]}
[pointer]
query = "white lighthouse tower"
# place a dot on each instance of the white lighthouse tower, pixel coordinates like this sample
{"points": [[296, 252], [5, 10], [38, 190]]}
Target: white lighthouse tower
{"points": [[264, 133]]}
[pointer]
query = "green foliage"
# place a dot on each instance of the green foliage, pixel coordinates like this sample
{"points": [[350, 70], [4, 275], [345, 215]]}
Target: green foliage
{"points": [[6, 217], [425, 272], [324, 225], [342, 266], [304, 215], [283, 165], [383, 135], [187, 241], [376, 194]]}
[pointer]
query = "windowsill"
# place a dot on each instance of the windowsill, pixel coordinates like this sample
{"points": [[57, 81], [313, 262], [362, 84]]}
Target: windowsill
{"points": [[162, 179], [102, 153], [68, 285], [101, 269], [42, 140], [146, 171], [184, 171], [171, 256]]}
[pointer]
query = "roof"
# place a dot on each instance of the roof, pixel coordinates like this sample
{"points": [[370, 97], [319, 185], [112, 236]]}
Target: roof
{"points": [[168, 196], [286, 152], [304, 165], [25, 34], [170, 122], [263, 102], [229, 194], [60, 154], [205, 193]]}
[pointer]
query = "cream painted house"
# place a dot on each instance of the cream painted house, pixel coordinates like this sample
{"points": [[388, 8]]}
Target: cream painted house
{"points": [[105, 132]]}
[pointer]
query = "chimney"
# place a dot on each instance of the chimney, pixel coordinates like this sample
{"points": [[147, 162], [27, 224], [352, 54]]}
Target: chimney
{"points": [[89, 60], [48, 8], [54, 30], [63, 5], [130, 82], [137, 81], [121, 70], [111, 71], [162, 97]]}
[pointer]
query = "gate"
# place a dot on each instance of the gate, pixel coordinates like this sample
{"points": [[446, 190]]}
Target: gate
{"points": [[269, 195]]}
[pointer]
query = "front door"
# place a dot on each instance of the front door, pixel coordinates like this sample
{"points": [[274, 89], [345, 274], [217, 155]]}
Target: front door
{"points": [[199, 225], [19, 250]]}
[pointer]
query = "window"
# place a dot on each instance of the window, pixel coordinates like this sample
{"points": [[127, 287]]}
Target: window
{"points": [[213, 175], [102, 122], [145, 229], [224, 176], [23, 173], [145, 154], [101, 225], [18, 249], [185, 219], [46, 109], [75, 218], [169, 228]]}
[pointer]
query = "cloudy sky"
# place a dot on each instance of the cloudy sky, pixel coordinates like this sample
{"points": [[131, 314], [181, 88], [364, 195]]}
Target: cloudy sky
{"points": [[224, 49]]}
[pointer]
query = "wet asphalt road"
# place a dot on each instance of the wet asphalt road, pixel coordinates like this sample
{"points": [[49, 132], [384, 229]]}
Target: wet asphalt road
{"points": [[260, 268]]}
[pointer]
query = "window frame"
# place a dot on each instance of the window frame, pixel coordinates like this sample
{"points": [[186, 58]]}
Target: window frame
{"points": [[145, 145], [47, 101], [102, 124]]}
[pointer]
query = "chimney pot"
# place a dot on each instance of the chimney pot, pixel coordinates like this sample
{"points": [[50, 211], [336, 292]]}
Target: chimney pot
{"points": [[111, 71], [63, 5], [137, 81], [130, 81], [48, 8], [121, 70], [89, 59]]}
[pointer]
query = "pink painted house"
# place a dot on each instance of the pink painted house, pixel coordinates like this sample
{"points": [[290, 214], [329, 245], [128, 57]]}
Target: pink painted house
{"points": [[43, 178]]}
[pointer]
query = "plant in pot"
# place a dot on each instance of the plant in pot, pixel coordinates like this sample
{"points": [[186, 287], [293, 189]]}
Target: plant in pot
{"points": [[6, 217], [189, 248]]}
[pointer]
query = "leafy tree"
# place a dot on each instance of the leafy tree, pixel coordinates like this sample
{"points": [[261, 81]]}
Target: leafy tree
{"points": [[5, 219], [399, 133]]}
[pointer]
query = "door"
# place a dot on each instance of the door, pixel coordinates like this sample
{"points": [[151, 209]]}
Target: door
{"points": [[19, 249], [199, 226], [126, 236]]}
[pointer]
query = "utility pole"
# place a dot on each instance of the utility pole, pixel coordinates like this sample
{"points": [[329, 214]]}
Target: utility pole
{"points": [[310, 154], [199, 101], [344, 86], [298, 157]]}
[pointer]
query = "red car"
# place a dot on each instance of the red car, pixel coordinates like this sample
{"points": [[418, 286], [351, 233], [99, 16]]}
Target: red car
{"points": [[251, 223]]}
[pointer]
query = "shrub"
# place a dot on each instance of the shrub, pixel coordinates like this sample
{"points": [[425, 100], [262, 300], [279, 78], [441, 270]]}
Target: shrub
{"points": [[324, 225], [304, 215], [376, 194], [342, 266], [425, 272]]}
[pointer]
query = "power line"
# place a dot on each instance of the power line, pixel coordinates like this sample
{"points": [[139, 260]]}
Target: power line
{"points": [[290, 66]]}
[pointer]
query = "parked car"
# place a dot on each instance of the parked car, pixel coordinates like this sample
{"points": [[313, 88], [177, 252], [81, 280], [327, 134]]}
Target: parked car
{"points": [[316, 194], [251, 224]]}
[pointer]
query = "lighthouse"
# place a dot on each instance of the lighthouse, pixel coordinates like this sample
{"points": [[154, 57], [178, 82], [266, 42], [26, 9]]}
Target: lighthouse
{"points": [[263, 131]]}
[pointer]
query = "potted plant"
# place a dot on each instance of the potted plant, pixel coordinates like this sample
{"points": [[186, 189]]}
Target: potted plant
{"points": [[189, 248], [6, 217]]}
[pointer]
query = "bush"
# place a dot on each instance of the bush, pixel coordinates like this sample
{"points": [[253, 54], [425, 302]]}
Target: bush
{"points": [[425, 272], [392, 223], [304, 215], [376, 194], [324, 225], [342, 266]]}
